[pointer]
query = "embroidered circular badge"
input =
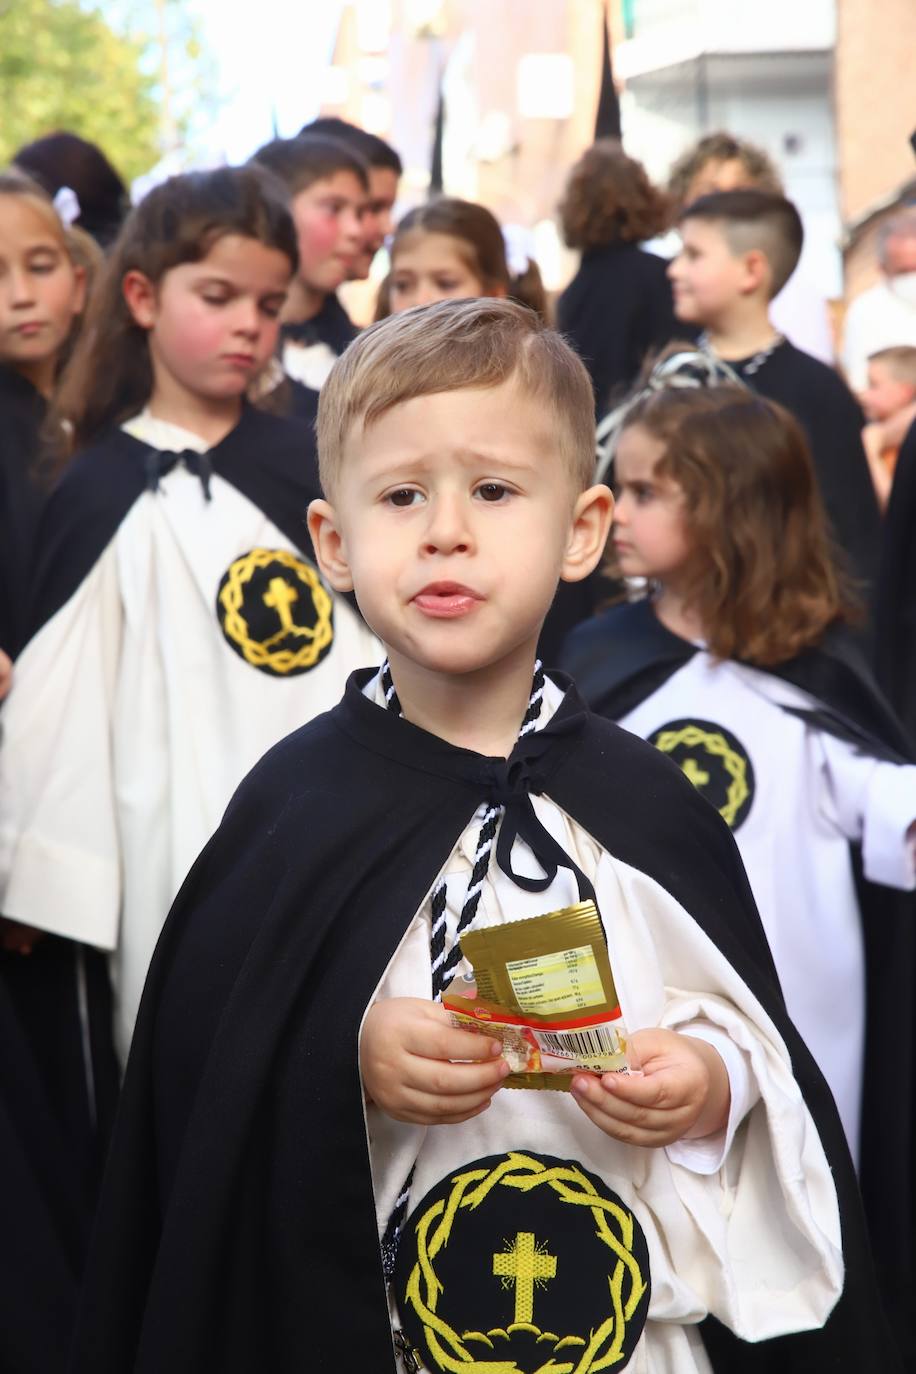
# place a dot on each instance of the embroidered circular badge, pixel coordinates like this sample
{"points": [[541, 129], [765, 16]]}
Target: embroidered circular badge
{"points": [[715, 762], [522, 1262], [275, 612]]}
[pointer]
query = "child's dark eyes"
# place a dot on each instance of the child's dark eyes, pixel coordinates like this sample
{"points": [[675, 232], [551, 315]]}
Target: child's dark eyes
{"points": [[492, 491], [403, 497]]}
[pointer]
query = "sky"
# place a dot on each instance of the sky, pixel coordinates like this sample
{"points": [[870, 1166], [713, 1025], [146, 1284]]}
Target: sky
{"points": [[269, 57]]}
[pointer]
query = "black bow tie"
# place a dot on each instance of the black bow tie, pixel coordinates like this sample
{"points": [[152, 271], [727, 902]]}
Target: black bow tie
{"points": [[511, 785], [159, 462]]}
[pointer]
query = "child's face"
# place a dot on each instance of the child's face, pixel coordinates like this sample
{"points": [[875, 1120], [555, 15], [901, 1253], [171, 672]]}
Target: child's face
{"points": [[375, 222], [328, 219], [707, 278], [429, 268], [213, 324], [40, 289], [454, 519], [650, 535], [885, 394]]}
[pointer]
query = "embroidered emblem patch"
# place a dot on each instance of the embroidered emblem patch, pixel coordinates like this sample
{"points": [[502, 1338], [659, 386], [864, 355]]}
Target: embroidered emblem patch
{"points": [[523, 1263], [275, 612], [715, 761]]}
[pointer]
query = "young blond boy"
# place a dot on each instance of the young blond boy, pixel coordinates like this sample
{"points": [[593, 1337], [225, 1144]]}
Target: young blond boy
{"points": [[294, 1084], [889, 402], [738, 250]]}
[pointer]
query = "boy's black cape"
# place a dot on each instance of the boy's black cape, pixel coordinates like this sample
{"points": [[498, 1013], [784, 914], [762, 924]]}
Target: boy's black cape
{"points": [[618, 660], [237, 1226], [271, 459]]}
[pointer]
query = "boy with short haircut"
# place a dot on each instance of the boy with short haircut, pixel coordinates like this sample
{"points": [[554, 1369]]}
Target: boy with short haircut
{"points": [[328, 184], [385, 169], [889, 402], [299, 1107], [739, 248]]}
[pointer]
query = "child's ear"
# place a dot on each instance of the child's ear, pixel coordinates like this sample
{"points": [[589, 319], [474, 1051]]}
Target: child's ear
{"points": [[591, 525], [757, 271], [140, 296], [328, 543]]}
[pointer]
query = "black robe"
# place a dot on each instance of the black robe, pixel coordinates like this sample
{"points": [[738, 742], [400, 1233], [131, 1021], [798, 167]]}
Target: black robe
{"points": [[616, 310], [22, 497], [895, 612], [830, 416], [621, 658], [237, 1227]]}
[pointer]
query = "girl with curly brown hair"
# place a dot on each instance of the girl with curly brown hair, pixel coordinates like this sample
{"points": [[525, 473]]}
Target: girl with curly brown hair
{"points": [[738, 665], [618, 307]]}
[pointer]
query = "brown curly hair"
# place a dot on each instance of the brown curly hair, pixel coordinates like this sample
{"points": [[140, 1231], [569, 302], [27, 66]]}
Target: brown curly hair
{"points": [[610, 199], [723, 147], [764, 580]]}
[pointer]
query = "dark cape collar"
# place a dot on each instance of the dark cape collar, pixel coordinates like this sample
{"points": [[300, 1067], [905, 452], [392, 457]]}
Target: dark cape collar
{"points": [[621, 657]]}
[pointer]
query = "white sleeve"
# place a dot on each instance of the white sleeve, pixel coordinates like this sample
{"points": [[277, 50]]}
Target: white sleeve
{"points": [[875, 803], [59, 845], [707, 1154]]}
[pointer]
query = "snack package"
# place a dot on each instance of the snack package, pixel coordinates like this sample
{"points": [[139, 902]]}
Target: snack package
{"points": [[545, 990]]}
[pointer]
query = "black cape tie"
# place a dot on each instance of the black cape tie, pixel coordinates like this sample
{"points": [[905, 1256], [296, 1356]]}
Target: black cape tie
{"points": [[159, 462]]}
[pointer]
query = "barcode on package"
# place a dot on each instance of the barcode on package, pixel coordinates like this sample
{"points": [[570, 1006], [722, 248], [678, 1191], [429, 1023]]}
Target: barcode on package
{"points": [[596, 1040]]}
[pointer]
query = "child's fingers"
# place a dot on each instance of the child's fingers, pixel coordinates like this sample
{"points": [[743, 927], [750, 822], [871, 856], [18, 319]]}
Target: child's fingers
{"points": [[428, 1110], [439, 1078], [641, 1090], [436, 1038], [644, 1114]]}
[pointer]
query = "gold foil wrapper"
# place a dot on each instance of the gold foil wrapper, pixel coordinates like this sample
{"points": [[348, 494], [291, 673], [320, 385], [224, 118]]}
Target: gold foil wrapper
{"points": [[545, 990]]}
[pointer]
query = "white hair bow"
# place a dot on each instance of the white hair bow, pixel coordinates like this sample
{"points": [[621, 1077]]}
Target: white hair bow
{"points": [[67, 205]]}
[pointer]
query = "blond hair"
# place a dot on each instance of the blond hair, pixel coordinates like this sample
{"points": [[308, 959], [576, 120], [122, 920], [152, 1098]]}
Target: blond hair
{"points": [[82, 250], [900, 362], [457, 346]]}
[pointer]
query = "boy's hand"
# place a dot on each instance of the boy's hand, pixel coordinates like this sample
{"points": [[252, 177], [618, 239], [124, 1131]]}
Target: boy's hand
{"points": [[683, 1091], [406, 1050], [6, 674]]}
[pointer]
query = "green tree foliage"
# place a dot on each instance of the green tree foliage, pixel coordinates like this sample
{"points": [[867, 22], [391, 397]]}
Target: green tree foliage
{"points": [[63, 67]]}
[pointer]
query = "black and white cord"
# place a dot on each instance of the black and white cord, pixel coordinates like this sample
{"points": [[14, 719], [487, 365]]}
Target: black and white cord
{"points": [[443, 962]]}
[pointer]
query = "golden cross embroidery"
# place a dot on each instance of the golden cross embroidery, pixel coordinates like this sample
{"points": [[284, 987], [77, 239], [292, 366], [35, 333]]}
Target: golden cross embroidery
{"points": [[280, 597], [524, 1265]]}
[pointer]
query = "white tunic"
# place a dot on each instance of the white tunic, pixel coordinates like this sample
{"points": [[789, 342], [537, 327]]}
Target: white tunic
{"points": [[809, 795], [744, 1225], [132, 720]]}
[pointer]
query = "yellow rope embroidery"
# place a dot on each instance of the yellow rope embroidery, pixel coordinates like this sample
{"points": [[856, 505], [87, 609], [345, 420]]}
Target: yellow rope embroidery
{"points": [[526, 1263], [693, 737], [281, 595]]}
